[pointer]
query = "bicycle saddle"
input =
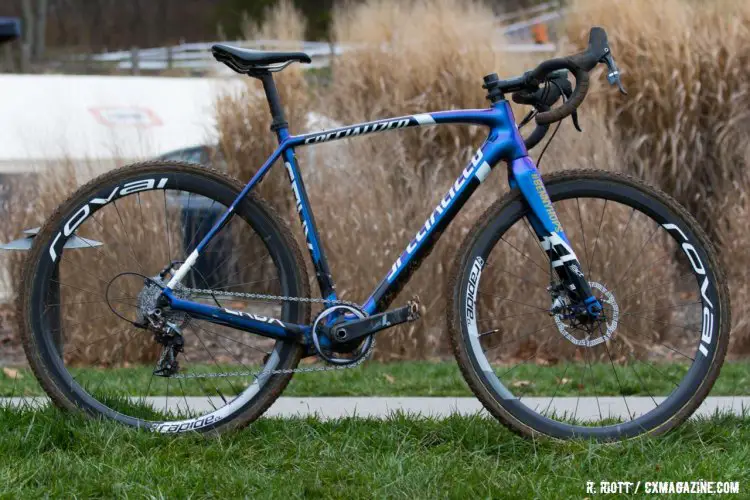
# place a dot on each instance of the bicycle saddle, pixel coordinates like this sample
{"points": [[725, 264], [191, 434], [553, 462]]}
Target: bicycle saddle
{"points": [[246, 61]]}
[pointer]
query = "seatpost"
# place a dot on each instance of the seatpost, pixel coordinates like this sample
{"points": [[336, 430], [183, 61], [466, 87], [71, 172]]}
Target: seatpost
{"points": [[274, 102]]}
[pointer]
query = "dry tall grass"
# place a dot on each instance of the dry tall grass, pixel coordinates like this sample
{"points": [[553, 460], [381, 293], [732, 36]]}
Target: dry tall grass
{"points": [[422, 56], [403, 68], [683, 127], [48, 190], [686, 124]]}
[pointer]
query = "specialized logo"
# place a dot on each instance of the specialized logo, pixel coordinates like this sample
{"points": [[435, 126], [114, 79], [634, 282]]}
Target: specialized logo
{"points": [[542, 192], [484, 169], [359, 130], [436, 215], [708, 306], [264, 319], [83, 213]]}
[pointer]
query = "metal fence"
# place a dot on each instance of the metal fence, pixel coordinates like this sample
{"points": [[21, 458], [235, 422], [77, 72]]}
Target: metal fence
{"points": [[516, 29]]}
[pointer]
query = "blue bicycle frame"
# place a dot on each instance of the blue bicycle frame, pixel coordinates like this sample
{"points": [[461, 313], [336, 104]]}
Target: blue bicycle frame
{"points": [[504, 142]]}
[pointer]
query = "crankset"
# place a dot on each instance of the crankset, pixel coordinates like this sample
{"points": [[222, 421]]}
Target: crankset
{"points": [[330, 354], [352, 331]]}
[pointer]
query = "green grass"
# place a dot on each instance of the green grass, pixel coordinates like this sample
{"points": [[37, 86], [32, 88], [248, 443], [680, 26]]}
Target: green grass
{"points": [[48, 453], [420, 379]]}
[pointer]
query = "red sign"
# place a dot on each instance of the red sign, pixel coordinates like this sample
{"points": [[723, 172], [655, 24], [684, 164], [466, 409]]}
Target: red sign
{"points": [[127, 116]]}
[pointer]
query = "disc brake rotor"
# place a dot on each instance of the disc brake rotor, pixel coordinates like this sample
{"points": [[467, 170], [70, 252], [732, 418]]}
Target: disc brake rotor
{"points": [[596, 332]]}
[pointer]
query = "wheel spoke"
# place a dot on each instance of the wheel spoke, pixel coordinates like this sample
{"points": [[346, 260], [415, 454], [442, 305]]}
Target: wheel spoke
{"points": [[166, 223], [525, 335], [654, 287], [596, 240], [617, 378], [658, 298], [127, 237], [633, 330], [545, 271], [514, 301], [215, 334], [635, 259], [557, 387], [189, 246], [525, 280], [583, 237], [593, 380]]}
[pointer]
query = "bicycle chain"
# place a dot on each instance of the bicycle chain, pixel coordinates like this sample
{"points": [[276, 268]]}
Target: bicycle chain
{"points": [[273, 298]]}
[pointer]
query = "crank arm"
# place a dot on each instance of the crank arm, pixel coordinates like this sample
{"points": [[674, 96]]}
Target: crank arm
{"points": [[355, 330]]}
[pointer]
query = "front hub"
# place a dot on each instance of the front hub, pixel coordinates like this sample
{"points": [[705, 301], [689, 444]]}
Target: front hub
{"points": [[585, 327]]}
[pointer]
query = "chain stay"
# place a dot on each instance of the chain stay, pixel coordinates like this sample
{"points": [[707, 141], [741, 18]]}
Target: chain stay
{"points": [[273, 298]]}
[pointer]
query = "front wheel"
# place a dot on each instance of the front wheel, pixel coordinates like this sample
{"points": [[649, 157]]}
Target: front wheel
{"points": [[648, 362]]}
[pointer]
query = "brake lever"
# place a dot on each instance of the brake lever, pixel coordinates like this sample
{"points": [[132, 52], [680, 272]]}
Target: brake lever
{"points": [[567, 91], [613, 76], [574, 116]]}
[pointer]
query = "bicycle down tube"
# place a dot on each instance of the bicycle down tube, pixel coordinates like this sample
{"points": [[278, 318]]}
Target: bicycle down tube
{"points": [[504, 142]]}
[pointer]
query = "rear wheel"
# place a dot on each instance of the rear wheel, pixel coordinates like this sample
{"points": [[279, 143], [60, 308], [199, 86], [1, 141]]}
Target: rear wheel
{"points": [[92, 273], [645, 366]]}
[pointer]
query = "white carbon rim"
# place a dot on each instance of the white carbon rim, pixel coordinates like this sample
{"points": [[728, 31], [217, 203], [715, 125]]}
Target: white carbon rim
{"points": [[229, 409], [471, 324]]}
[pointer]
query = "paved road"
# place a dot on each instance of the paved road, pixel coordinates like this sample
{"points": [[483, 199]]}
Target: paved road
{"points": [[366, 407]]}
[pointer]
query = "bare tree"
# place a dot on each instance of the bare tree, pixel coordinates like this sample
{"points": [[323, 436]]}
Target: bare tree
{"points": [[27, 37], [40, 29]]}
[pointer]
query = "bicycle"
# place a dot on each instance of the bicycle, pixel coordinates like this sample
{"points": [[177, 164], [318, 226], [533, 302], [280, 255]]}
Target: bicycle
{"points": [[602, 343]]}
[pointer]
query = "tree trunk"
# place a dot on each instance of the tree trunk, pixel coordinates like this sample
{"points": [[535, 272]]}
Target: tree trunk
{"points": [[27, 40], [40, 30], [9, 64]]}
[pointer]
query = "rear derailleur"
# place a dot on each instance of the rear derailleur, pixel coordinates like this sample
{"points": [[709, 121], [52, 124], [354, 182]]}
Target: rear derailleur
{"points": [[170, 337], [166, 325]]}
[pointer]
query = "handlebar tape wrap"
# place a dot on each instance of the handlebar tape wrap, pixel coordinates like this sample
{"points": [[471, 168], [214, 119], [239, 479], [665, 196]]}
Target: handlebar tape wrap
{"points": [[579, 64]]}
